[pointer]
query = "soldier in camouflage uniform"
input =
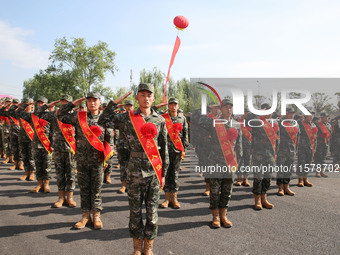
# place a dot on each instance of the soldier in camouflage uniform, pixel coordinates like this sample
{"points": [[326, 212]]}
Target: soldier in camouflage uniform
{"points": [[221, 183], [6, 132], [287, 150], [142, 182], [336, 142], [305, 149], [323, 141], [25, 142], [63, 156], [264, 149], [90, 161], [175, 156], [42, 158]]}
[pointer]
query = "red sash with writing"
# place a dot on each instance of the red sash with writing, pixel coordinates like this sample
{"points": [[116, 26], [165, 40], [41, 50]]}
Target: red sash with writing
{"points": [[310, 134], [226, 146], [325, 132], [68, 131], [92, 138], [149, 145], [245, 131], [292, 132], [16, 122], [271, 134], [40, 131], [172, 133], [28, 129]]}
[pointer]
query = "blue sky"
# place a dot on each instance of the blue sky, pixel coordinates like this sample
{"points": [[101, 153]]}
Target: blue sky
{"points": [[251, 38]]}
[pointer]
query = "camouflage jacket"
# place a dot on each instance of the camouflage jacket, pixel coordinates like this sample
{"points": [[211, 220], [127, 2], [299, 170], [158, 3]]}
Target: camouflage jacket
{"points": [[22, 133], [85, 152], [5, 127], [321, 140], [183, 135], [304, 141], [14, 129], [123, 122], [287, 145]]}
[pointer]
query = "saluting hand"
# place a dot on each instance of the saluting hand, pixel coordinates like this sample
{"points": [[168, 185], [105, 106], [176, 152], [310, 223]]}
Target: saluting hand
{"points": [[78, 101], [53, 104], [121, 99], [161, 105]]}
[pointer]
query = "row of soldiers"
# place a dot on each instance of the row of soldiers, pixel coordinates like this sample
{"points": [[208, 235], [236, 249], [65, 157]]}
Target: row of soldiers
{"points": [[83, 140]]}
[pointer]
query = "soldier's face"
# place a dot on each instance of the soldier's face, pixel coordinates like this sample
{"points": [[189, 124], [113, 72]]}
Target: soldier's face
{"points": [[227, 110], [63, 102], [39, 103], [324, 119], [29, 108], [129, 107], [215, 111], [173, 107], [93, 104], [290, 115], [145, 98], [308, 117]]}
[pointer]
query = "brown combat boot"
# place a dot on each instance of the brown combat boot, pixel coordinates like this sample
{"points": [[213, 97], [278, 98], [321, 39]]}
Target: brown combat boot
{"points": [[137, 246], [287, 190], [166, 202], [11, 159], [281, 191], [318, 174], [20, 165], [246, 182], [61, 199], [225, 222], [107, 178], [14, 165], [322, 174], [216, 222], [1, 154], [123, 188], [258, 204], [31, 176], [207, 190], [265, 202], [46, 184], [6, 160], [25, 176], [148, 246], [69, 200], [306, 182], [238, 181], [85, 219], [38, 187], [300, 182], [97, 223], [174, 201]]}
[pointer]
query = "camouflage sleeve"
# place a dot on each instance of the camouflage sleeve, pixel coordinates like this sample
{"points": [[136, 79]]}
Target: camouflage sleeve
{"points": [[5, 113], [41, 113], [185, 139], [65, 116], [24, 115], [163, 145], [12, 111], [238, 144], [110, 117], [2, 111]]}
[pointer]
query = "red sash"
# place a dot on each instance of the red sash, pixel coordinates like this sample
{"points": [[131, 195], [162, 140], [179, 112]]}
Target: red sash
{"points": [[92, 138], [68, 131], [309, 132], [226, 146], [173, 134], [245, 131], [16, 122], [40, 131], [325, 131], [271, 134], [149, 145], [292, 132], [28, 129], [4, 120]]}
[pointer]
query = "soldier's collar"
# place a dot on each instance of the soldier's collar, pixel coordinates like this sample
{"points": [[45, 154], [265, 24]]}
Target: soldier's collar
{"points": [[153, 113]]}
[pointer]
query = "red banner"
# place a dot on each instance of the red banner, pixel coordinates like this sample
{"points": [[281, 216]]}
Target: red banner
{"points": [[172, 133], [28, 129], [148, 144], [310, 134], [245, 131], [325, 132], [271, 134], [68, 132], [16, 122], [292, 132], [40, 131]]}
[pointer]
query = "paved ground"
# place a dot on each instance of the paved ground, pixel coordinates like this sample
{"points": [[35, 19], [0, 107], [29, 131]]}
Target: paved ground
{"points": [[307, 223]]}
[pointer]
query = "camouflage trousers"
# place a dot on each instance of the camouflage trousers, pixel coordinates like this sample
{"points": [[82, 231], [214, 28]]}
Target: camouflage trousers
{"points": [[64, 167], [305, 157], [244, 161], [6, 144], [320, 154], [148, 190], [262, 178], [171, 178], [287, 160], [225, 186], [27, 155], [109, 167], [123, 158], [1, 147], [15, 147], [42, 162], [336, 152], [90, 181]]}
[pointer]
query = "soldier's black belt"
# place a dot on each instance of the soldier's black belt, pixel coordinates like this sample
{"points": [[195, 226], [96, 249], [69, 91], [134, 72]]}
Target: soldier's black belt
{"points": [[141, 155]]}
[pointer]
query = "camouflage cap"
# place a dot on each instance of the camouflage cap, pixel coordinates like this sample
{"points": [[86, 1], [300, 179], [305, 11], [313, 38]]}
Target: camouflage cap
{"points": [[27, 100], [173, 100], [93, 95], [324, 114], [16, 100], [8, 99], [104, 104], [128, 102], [180, 110], [146, 86], [83, 104], [226, 102], [290, 110], [66, 97], [42, 99], [265, 106], [310, 109], [246, 109]]}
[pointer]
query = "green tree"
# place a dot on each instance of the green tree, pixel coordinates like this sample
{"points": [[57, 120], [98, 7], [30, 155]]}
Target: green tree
{"points": [[321, 103]]}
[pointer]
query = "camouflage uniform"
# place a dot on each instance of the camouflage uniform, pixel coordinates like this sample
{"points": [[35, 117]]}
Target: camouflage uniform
{"points": [[6, 144], [42, 158], [63, 157], [246, 154], [90, 161], [322, 143], [336, 142], [142, 182]]}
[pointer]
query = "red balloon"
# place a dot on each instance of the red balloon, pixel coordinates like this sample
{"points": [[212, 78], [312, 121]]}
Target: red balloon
{"points": [[181, 22]]}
